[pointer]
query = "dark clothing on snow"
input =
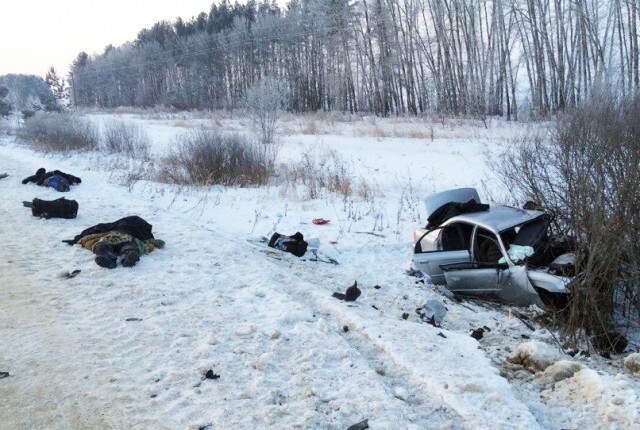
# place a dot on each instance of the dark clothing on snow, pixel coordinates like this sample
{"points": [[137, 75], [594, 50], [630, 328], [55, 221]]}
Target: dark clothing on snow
{"points": [[131, 225], [295, 244], [449, 210], [58, 183], [107, 254], [42, 175], [59, 208], [108, 246]]}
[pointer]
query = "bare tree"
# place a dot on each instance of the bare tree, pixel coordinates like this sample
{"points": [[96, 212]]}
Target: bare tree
{"points": [[462, 57], [265, 101]]}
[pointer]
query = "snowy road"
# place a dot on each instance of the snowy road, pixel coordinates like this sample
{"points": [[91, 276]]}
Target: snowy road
{"points": [[272, 332]]}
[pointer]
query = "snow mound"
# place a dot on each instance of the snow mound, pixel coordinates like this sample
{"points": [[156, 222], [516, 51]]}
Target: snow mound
{"points": [[535, 355], [559, 371], [597, 401], [632, 362]]}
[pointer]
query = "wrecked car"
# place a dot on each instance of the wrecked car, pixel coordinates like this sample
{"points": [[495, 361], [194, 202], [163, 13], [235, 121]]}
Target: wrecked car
{"points": [[498, 251]]}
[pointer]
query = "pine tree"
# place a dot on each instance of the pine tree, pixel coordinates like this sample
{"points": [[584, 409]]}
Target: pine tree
{"points": [[56, 84]]}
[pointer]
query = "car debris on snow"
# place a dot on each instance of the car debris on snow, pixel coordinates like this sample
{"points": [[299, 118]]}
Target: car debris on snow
{"points": [[362, 425], [211, 375], [432, 312], [351, 295]]}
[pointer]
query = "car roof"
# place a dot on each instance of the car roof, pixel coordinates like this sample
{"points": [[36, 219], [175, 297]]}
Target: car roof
{"points": [[497, 218]]}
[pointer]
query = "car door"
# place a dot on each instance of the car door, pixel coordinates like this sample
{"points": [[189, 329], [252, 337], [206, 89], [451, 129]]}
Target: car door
{"points": [[485, 273], [442, 246]]}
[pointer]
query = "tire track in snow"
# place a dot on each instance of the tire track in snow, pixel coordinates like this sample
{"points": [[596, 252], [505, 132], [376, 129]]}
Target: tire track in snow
{"points": [[160, 356], [429, 407], [370, 343]]}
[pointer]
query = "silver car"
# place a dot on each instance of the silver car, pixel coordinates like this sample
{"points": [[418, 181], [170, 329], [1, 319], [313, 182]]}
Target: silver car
{"points": [[489, 252]]}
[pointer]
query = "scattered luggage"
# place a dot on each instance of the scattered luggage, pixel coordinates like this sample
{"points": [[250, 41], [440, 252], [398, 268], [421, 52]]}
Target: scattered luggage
{"points": [[59, 208]]}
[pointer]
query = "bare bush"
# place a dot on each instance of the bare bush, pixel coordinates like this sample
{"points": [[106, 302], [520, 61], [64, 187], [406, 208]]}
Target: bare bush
{"points": [[120, 137], [206, 157], [587, 172], [59, 132]]}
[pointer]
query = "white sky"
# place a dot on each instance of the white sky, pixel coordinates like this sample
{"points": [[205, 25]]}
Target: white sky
{"points": [[37, 34]]}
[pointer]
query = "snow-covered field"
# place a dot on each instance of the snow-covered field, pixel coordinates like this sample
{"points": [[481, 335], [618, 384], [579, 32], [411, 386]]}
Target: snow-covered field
{"points": [[128, 348]]}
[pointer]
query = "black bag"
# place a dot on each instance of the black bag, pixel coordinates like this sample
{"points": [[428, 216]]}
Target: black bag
{"points": [[60, 208], [292, 244]]}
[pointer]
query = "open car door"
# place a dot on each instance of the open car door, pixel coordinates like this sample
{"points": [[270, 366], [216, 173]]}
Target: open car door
{"points": [[483, 274], [442, 246]]}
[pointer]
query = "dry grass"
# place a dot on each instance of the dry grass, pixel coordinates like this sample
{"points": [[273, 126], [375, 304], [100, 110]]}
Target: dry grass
{"points": [[120, 137], [319, 173], [310, 128]]}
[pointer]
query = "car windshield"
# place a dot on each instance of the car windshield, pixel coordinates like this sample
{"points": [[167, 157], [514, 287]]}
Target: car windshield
{"points": [[521, 241]]}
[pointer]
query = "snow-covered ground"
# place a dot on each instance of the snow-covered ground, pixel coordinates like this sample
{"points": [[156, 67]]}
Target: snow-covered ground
{"points": [[128, 348]]}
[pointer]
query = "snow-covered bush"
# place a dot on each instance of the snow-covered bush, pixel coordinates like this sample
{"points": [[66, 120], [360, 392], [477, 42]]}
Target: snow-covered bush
{"points": [[265, 101], [126, 138], [59, 132], [207, 157]]}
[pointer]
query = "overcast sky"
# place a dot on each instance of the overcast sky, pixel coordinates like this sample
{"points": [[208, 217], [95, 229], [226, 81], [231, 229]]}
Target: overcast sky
{"points": [[37, 34]]}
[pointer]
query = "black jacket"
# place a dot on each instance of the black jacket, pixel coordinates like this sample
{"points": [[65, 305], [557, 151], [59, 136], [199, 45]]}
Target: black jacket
{"points": [[449, 210], [132, 225]]}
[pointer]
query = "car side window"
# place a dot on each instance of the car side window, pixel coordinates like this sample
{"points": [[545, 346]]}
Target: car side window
{"points": [[431, 241], [466, 231], [456, 237], [486, 247]]}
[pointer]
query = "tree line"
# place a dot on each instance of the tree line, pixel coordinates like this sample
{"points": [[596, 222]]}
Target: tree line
{"points": [[461, 57]]}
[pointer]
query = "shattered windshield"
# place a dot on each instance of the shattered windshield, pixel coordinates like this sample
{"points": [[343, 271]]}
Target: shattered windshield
{"points": [[521, 241]]}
